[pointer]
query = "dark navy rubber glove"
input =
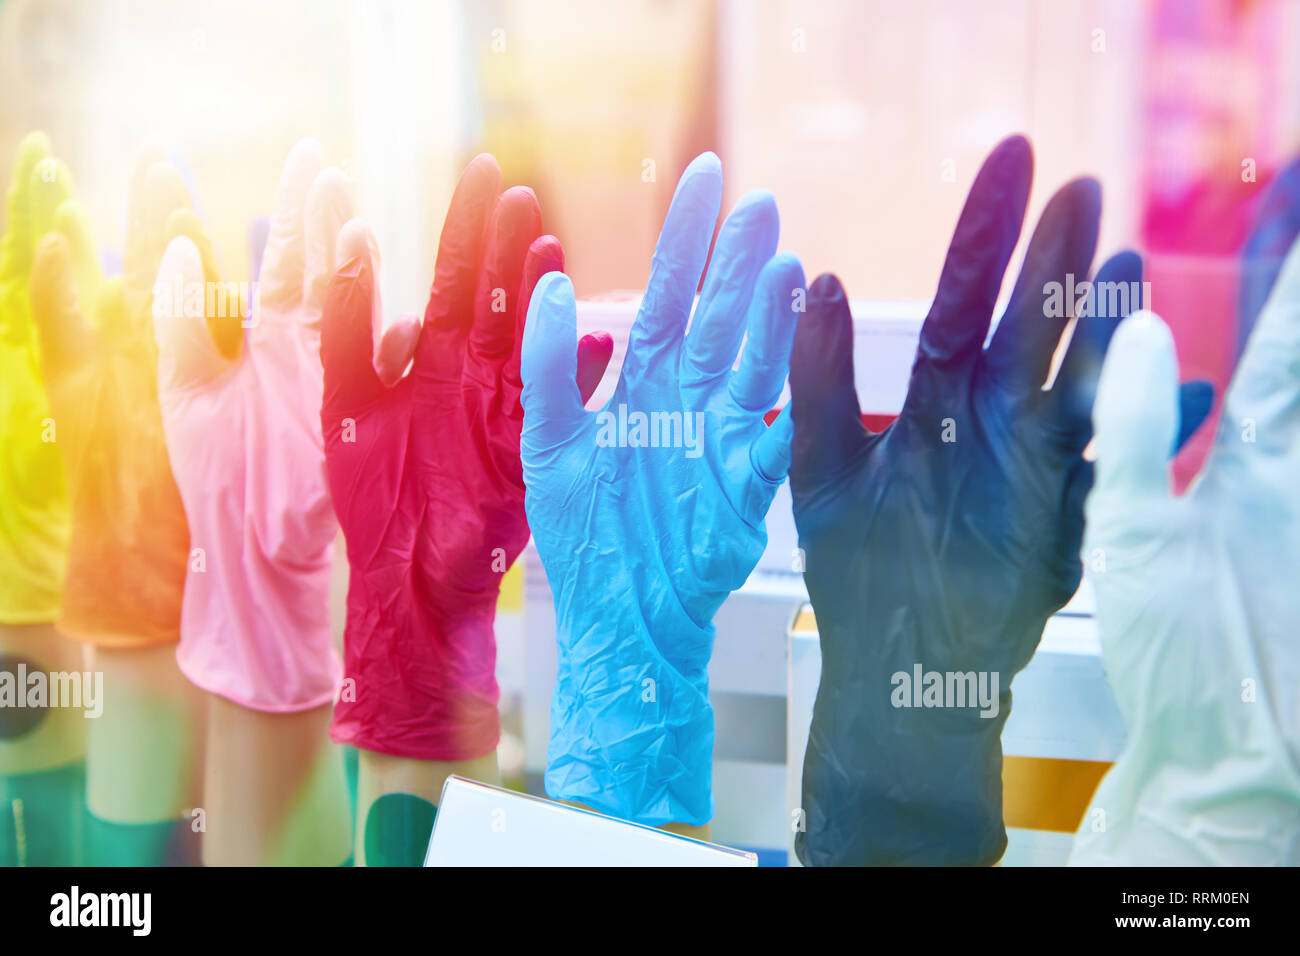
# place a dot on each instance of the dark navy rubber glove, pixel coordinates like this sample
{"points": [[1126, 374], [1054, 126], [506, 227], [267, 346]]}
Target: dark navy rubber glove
{"points": [[1277, 223], [936, 550]]}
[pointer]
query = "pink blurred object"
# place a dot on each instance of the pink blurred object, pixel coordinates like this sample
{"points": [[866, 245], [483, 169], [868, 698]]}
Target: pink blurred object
{"points": [[1208, 151]]}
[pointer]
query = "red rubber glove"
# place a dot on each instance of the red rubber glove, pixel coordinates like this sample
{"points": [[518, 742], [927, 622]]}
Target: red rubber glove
{"points": [[424, 470]]}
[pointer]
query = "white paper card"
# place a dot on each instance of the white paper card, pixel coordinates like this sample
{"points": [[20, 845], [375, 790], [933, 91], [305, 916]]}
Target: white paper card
{"points": [[481, 825]]}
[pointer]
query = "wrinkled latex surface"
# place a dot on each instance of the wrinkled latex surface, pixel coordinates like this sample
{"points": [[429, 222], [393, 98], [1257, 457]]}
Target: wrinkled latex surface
{"points": [[242, 427], [424, 471], [1198, 605], [126, 557], [946, 554], [642, 544], [33, 497]]}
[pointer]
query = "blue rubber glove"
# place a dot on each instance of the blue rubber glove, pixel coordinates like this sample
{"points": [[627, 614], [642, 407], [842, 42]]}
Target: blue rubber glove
{"points": [[1198, 606], [641, 544], [945, 542]]}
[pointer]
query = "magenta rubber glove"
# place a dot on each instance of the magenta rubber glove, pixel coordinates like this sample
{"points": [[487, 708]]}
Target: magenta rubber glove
{"points": [[244, 440], [425, 472]]}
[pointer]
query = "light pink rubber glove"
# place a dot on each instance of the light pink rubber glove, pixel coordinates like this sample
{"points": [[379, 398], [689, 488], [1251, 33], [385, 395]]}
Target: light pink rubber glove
{"points": [[244, 439]]}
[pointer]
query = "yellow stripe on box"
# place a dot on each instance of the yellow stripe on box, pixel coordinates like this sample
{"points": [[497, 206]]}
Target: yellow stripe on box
{"points": [[1046, 793], [511, 598]]}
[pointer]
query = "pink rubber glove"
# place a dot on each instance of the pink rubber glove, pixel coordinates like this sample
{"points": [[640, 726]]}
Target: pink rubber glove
{"points": [[425, 472], [244, 440], [129, 543]]}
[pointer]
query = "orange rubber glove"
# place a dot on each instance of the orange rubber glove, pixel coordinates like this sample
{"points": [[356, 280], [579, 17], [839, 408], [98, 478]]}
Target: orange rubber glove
{"points": [[33, 497], [127, 556]]}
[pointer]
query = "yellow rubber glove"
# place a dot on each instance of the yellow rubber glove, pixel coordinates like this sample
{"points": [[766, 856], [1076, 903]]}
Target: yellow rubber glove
{"points": [[33, 497], [127, 556]]}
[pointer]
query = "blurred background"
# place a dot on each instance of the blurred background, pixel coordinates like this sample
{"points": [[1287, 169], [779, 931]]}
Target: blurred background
{"points": [[867, 118]]}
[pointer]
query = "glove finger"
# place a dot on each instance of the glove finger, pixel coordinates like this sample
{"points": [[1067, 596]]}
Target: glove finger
{"points": [[351, 309], [953, 334], [828, 430], [1136, 420], [1060, 252], [71, 220], [284, 261], [773, 318], [22, 231], [329, 206], [675, 270], [516, 222], [450, 312], [56, 307], [258, 231], [745, 243], [397, 343], [1195, 399], [187, 354], [1265, 392], [553, 410], [1276, 226], [155, 192], [1116, 291], [771, 453], [594, 352], [545, 254], [394, 342], [225, 305], [50, 190]]}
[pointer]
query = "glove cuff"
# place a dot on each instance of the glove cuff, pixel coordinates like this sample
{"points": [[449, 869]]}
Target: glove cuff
{"points": [[919, 798], [262, 639], [631, 733], [419, 681], [1144, 815]]}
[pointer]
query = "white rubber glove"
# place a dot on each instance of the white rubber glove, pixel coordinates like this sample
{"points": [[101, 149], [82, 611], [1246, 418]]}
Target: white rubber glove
{"points": [[1198, 605]]}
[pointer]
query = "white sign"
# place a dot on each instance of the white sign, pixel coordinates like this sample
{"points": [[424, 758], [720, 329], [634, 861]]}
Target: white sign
{"points": [[480, 825]]}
